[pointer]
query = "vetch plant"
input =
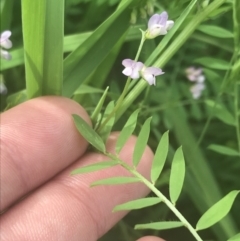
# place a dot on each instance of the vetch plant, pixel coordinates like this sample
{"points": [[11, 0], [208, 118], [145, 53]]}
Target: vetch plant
{"points": [[209, 218], [157, 25], [84, 66]]}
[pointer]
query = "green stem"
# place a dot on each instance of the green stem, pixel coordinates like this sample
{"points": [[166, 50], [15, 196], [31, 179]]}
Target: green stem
{"points": [[158, 194], [236, 115], [125, 90]]}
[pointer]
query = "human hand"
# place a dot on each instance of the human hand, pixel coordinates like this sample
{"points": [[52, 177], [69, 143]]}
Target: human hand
{"points": [[40, 146]]}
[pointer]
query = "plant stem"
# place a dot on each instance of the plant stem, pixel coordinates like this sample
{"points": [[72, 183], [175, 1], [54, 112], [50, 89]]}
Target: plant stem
{"points": [[158, 194], [236, 115], [125, 90]]}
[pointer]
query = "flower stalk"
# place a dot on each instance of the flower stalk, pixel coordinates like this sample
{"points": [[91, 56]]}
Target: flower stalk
{"points": [[151, 186]]}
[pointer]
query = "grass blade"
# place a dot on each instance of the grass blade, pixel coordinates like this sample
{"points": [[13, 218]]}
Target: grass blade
{"points": [[43, 45]]}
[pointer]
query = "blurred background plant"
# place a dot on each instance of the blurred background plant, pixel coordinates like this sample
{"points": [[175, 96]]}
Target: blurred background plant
{"points": [[96, 37]]}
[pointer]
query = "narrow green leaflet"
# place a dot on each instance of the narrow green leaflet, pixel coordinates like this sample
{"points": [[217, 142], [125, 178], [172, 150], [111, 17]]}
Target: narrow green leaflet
{"points": [[86, 89], [177, 175], [235, 238], [223, 150], [213, 63], [127, 130], [141, 142], [215, 31], [160, 157], [116, 181], [221, 112], [218, 211], [95, 167], [89, 134], [159, 225], [97, 110], [137, 204], [43, 46], [104, 133]]}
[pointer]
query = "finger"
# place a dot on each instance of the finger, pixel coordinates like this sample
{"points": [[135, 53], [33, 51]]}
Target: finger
{"points": [[68, 209], [38, 140], [150, 238]]}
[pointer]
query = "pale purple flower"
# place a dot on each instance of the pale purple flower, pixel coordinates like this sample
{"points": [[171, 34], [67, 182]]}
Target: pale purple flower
{"points": [[5, 43], [132, 68], [197, 89], [158, 24], [150, 73], [195, 74]]}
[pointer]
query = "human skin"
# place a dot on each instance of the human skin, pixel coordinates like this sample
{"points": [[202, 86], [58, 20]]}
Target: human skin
{"points": [[39, 199]]}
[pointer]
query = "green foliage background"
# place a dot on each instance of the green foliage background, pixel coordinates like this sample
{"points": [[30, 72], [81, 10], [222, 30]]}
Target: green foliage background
{"points": [[195, 124]]}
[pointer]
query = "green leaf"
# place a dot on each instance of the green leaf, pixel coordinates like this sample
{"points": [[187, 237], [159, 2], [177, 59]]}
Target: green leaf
{"points": [[115, 181], [88, 133], [6, 11], [223, 150], [86, 89], [213, 63], [97, 110], [218, 211], [43, 45], [215, 31], [95, 167], [137, 204], [160, 157], [127, 130], [81, 63], [221, 112], [104, 133], [159, 225], [177, 175], [235, 238], [141, 142]]}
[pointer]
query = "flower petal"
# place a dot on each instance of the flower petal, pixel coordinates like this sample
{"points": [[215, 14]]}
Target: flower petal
{"points": [[153, 20], [201, 79], [7, 44], [127, 71], [5, 35], [163, 18], [150, 79], [169, 24], [127, 62], [5, 55], [153, 70]]}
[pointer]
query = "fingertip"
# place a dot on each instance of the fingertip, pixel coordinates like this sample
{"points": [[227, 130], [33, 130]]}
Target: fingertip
{"points": [[38, 140], [150, 238]]}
